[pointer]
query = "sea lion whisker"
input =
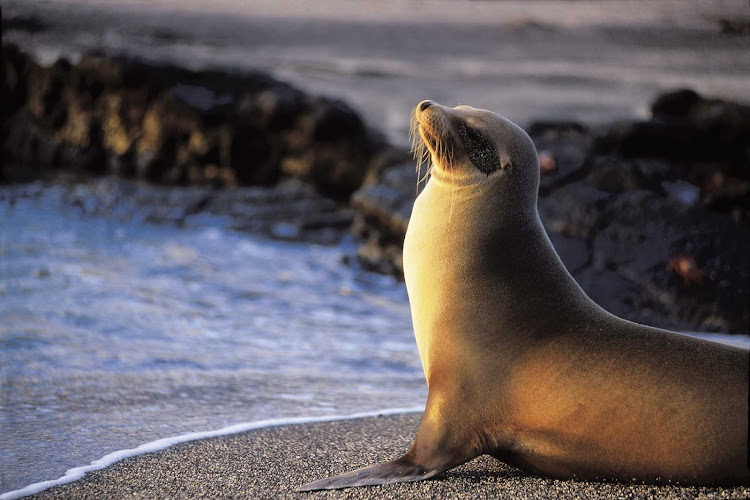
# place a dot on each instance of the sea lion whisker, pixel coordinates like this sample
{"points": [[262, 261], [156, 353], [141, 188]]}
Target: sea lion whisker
{"points": [[425, 176]]}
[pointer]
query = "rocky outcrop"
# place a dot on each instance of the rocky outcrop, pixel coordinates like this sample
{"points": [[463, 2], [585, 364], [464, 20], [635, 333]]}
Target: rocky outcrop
{"points": [[704, 141], [383, 208], [173, 126]]}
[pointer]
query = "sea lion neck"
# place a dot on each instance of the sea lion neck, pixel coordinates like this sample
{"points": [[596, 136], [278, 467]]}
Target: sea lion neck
{"points": [[469, 236], [490, 203]]}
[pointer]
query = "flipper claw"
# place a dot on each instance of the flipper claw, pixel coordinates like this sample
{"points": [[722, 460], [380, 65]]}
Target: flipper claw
{"points": [[395, 471]]}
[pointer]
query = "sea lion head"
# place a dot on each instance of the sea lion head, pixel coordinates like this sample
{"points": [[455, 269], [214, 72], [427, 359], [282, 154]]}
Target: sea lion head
{"points": [[475, 147]]}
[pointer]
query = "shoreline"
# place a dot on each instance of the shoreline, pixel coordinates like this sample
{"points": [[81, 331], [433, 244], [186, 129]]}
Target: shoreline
{"points": [[78, 473], [283, 457]]}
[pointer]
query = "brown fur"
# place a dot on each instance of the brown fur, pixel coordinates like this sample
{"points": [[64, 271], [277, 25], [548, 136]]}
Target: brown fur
{"points": [[521, 364]]}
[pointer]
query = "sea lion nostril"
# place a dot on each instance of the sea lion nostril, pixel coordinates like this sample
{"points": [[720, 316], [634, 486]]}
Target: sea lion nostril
{"points": [[425, 105]]}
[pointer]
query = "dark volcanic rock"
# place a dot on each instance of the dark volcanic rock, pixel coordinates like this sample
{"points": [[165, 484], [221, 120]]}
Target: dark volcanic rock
{"points": [[173, 126], [706, 140], [686, 126], [564, 146], [615, 175], [30, 24], [326, 140], [573, 210], [574, 252], [276, 110], [642, 233], [620, 296], [389, 202], [734, 26], [383, 211]]}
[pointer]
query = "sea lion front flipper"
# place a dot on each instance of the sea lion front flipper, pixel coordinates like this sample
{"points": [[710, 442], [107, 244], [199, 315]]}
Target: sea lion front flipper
{"points": [[400, 470]]}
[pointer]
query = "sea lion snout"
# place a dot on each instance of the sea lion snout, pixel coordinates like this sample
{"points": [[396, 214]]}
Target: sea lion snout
{"points": [[424, 105], [432, 133], [453, 135]]}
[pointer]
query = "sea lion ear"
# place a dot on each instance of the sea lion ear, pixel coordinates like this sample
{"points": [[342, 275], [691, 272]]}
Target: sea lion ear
{"points": [[506, 165]]}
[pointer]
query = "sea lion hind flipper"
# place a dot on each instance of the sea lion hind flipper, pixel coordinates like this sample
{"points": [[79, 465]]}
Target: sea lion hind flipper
{"points": [[396, 471]]}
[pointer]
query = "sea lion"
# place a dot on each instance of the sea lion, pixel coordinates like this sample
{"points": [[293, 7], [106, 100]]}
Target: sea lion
{"points": [[520, 363]]}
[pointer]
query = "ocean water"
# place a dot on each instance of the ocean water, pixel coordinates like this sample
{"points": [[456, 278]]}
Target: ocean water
{"points": [[114, 334], [584, 60]]}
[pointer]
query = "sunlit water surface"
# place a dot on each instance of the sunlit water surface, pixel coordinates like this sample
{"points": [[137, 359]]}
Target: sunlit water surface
{"points": [[114, 334]]}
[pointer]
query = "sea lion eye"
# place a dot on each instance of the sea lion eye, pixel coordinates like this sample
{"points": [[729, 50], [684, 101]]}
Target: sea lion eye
{"points": [[481, 152]]}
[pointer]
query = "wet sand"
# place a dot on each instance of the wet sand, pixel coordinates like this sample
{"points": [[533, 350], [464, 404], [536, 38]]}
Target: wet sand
{"points": [[272, 462]]}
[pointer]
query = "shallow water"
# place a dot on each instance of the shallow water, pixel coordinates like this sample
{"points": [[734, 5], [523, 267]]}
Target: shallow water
{"points": [[114, 334]]}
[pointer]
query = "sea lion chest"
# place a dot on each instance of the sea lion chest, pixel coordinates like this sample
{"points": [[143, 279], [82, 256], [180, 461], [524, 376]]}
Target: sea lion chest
{"points": [[439, 269]]}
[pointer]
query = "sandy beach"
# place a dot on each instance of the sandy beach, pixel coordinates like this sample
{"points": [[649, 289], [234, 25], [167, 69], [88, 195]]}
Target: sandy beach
{"points": [[272, 462]]}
